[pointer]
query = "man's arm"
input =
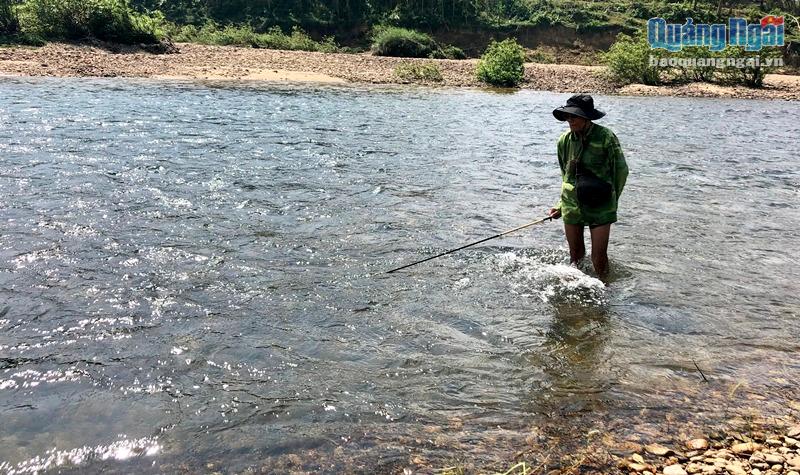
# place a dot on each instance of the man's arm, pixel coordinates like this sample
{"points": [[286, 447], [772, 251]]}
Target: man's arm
{"points": [[618, 163]]}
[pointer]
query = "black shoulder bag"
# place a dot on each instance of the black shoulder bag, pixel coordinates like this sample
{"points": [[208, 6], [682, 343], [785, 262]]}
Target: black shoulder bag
{"points": [[593, 192]]}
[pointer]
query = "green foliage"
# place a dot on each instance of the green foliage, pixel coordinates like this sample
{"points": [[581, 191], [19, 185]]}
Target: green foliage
{"points": [[679, 12], [539, 56], [418, 72], [108, 20], [212, 34], [628, 61], [9, 21], [402, 42], [27, 39], [448, 52], [502, 64], [747, 72], [706, 73]]}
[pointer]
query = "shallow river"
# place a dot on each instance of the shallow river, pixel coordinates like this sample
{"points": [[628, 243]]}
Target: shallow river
{"points": [[193, 274]]}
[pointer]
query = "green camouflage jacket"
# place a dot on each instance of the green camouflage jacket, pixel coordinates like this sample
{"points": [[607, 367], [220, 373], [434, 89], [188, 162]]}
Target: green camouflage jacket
{"points": [[601, 154]]}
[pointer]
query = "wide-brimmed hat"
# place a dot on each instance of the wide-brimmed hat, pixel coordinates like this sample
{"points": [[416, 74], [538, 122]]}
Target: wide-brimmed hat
{"points": [[581, 105]]}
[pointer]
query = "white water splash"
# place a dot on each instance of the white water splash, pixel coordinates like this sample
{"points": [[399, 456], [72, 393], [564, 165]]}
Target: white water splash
{"points": [[461, 284], [550, 282]]}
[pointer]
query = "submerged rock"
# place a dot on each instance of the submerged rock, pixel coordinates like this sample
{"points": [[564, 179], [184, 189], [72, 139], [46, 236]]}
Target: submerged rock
{"points": [[697, 444], [745, 448], [659, 450]]}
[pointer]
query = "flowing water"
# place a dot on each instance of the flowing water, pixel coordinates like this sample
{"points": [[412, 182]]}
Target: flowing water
{"points": [[192, 275]]}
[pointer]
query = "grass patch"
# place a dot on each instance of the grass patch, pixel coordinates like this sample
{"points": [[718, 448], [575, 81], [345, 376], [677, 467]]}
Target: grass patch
{"points": [[212, 34], [418, 72], [402, 42], [539, 56]]}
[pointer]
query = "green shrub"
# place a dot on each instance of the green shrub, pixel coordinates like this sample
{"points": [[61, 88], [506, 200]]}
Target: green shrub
{"points": [[628, 61], [22, 39], [679, 12], [401, 42], [9, 21], [107, 20], [706, 73], [502, 64], [448, 52], [750, 75], [418, 72]]}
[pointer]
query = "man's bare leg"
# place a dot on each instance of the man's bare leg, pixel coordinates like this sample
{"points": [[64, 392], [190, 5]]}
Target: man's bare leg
{"points": [[600, 235], [577, 249]]}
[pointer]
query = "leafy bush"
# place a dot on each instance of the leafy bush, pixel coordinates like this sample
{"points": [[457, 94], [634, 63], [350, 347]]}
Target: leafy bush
{"points": [[502, 64], [448, 52], [679, 12], [696, 73], [108, 20], [628, 61], [401, 42], [418, 72], [750, 74], [9, 22]]}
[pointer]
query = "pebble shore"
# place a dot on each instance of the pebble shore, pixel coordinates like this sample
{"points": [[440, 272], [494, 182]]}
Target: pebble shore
{"points": [[756, 454], [203, 62]]}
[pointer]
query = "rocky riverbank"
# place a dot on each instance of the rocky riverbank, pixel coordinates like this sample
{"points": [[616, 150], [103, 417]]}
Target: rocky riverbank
{"points": [[757, 453], [202, 62]]}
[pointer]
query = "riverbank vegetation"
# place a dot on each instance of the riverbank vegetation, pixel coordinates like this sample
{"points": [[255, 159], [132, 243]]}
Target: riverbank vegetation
{"points": [[407, 28], [350, 22], [503, 64], [631, 60]]}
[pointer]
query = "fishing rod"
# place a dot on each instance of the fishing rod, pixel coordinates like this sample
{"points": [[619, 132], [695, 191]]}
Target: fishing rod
{"points": [[472, 244]]}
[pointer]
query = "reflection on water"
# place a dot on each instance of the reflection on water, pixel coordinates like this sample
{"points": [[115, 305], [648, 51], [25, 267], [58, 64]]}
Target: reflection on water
{"points": [[576, 359], [195, 274]]}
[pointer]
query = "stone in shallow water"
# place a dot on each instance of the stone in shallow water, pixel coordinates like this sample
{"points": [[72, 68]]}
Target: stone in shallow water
{"points": [[745, 448], [637, 467], [658, 450], [697, 444]]}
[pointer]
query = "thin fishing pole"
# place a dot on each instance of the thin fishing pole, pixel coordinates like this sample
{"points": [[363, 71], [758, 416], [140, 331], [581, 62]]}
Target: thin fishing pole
{"points": [[472, 244]]}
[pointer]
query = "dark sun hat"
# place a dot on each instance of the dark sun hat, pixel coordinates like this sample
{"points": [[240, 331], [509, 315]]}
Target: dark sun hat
{"points": [[581, 105]]}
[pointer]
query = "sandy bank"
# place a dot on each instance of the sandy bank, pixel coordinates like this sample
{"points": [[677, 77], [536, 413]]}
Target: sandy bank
{"points": [[225, 62]]}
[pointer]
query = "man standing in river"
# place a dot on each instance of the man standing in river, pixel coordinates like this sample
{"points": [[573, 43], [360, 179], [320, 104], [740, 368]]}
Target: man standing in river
{"points": [[593, 174]]}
